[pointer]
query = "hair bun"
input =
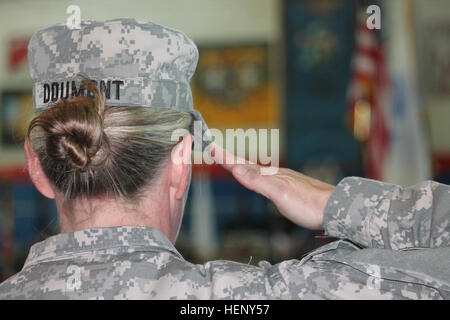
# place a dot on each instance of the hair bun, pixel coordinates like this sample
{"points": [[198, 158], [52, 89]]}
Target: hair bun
{"points": [[78, 145], [74, 130]]}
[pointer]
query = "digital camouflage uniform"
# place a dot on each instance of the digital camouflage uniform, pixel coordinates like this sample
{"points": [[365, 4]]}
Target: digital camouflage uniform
{"points": [[395, 246]]}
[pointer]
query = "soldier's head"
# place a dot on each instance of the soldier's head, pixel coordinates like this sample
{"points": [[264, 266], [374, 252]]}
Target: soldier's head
{"points": [[106, 139]]}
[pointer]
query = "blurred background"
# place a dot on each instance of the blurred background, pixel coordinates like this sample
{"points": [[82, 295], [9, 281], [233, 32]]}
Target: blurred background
{"points": [[354, 90]]}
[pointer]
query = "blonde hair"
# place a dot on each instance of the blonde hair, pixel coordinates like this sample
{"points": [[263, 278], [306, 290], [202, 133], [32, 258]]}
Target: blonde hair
{"points": [[88, 150]]}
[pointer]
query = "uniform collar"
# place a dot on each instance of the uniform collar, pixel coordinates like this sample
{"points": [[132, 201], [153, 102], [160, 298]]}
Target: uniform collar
{"points": [[112, 240]]}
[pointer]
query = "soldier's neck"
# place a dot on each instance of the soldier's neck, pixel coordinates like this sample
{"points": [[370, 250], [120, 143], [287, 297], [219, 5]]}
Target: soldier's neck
{"points": [[82, 214]]}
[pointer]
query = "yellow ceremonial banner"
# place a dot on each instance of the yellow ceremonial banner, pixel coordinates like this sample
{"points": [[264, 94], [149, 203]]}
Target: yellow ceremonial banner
{"points": [[17, 112], [232, 87]]}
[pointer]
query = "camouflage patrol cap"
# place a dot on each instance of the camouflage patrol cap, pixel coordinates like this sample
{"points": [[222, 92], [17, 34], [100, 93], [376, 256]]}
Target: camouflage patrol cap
{"points": [[133, 64]]}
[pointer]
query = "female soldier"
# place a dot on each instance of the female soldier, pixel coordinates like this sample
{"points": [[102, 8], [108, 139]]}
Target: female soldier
{"points": [[103, 149]]}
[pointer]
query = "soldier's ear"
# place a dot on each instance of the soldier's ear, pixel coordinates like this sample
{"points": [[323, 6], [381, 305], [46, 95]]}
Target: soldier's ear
{"points": [[36, 173], [180, 166]]}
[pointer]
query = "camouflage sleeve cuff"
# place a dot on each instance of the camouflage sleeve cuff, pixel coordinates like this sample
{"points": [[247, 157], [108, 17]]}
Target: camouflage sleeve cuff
{"points": [[357, 210]]}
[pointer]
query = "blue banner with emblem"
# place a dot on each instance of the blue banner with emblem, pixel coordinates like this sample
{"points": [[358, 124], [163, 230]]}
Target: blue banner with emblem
{"points": [[319, 40]]}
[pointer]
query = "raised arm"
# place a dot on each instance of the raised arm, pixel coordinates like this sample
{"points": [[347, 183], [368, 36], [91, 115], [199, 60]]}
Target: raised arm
{"points": [[367, 212], [382, 215]]}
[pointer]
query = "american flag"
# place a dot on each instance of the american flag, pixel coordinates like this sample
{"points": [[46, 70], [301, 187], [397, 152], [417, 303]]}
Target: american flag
{"points": [[368, 96]]}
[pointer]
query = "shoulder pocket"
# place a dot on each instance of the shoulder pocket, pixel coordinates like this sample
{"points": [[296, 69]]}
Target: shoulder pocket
{"points": [[329, 251]]}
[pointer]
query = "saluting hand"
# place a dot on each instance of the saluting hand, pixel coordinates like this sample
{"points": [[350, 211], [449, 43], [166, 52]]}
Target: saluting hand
{"points": [[299, 198]]}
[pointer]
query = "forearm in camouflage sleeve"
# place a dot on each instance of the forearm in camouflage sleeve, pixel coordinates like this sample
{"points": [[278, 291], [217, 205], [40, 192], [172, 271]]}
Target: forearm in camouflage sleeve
{"points": [[382, 215]]}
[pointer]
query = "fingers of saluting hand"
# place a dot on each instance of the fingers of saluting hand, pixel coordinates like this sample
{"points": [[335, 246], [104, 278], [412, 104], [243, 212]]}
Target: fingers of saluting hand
{"points": [[226, 159], [252, 176]]}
